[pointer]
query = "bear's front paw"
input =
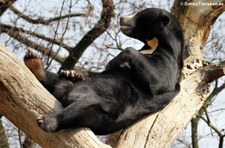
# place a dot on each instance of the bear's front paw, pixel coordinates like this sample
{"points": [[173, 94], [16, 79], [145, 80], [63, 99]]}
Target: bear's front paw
{"points": [[123, 60], [48, 124], [72, 75]]}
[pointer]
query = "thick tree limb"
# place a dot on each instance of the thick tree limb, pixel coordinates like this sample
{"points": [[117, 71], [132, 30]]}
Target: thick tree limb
{"points": [[160, 129], [99, 28], [176, 115], [5, 4], [23, 99], [199, 21], [196, 22]]}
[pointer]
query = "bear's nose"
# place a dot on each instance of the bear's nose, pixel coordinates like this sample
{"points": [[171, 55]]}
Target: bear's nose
{"points": [[122, 21]]}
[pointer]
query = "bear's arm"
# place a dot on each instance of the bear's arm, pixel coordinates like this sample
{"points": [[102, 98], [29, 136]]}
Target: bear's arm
{"points": [[77, 75], [145, 69]]}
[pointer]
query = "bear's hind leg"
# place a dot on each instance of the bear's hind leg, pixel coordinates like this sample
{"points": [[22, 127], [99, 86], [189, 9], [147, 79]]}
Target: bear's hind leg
{"points": [[71, 117], [33, 62], [85, 110]]}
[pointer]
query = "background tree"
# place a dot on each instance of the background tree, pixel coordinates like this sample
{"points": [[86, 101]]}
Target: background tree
{"points": [[85, 34]]}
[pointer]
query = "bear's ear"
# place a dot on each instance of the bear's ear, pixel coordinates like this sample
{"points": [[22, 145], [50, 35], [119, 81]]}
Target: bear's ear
{"points": [[165, 20]]}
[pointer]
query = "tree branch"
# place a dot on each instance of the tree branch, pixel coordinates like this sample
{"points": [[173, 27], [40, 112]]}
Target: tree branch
{"points": [[195, 120], [16, 35], [43, 21], [5, 4], [219, 133], [99, 28], [175, 116], [58, 42], [49, 60], [148, 132], [199, 21], [178, 114], [194, 132], [23, 99]]}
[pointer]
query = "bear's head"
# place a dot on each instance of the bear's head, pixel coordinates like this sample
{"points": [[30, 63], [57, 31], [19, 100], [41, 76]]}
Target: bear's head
{"points": [[153, 26]]}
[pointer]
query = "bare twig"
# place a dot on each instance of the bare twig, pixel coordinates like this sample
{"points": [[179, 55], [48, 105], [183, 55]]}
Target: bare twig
{"points": [[49, 61], [16, 35], [194, 132], [19, 137], [99, 28], [43, 21], [55, 41], [195, 121], [219, 133]]}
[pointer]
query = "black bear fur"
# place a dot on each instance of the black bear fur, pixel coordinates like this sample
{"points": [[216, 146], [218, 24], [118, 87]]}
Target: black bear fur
{"points": [[132, 86]]}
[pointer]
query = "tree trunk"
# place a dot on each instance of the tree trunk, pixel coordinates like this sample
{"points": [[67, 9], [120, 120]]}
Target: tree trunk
{"points": [[160, 129], [23, 99]]}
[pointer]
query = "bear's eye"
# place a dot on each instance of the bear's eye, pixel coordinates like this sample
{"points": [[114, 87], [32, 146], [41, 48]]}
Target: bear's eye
{"points": [[165, 20]]}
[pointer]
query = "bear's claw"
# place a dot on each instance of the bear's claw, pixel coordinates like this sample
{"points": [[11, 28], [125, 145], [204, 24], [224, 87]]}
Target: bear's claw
{"points": [[48, 124], [74, 75], [31, 55]]}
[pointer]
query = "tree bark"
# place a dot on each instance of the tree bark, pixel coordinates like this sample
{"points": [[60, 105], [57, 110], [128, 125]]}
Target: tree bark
{"points": [[194, 132], [4, 5], [23, 99], [160, 129]]}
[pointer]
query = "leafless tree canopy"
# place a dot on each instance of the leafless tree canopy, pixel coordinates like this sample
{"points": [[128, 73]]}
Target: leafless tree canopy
{"points": [[73, 34]]}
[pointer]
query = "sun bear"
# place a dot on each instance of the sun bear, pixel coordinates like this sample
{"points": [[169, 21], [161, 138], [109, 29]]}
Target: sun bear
{"points": [[134, 84]]}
